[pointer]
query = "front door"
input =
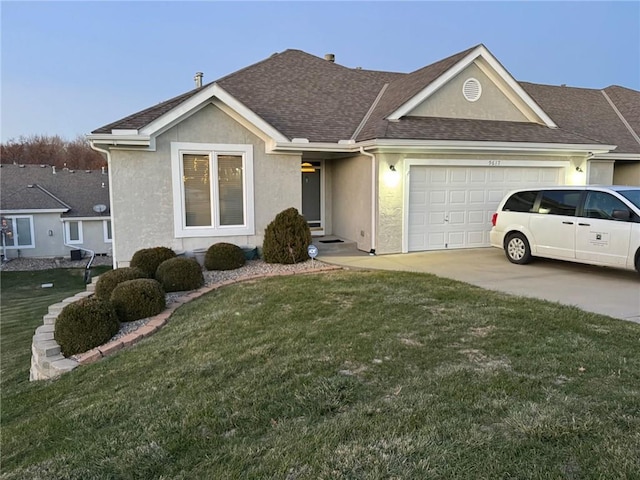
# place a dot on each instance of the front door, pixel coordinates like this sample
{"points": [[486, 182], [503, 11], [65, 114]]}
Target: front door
{"points": [[311, 194]]}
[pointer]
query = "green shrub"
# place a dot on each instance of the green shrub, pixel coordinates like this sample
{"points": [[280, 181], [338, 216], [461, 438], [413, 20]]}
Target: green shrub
{"points": [[85, 324], [286, 238], [139, 298], [179, 274], [109, 280], [224, 256], [149, 259]]}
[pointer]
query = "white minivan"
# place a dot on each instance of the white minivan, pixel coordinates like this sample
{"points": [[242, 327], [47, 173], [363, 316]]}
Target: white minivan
{"points": [[586, 224]]}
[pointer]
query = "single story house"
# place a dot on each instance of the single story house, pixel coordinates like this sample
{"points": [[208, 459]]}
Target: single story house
{"points": [[396, 162], [48, 212]]}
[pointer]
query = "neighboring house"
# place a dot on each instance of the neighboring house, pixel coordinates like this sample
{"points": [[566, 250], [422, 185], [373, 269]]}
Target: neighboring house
{"points": [[51, 212], [395, 162]]}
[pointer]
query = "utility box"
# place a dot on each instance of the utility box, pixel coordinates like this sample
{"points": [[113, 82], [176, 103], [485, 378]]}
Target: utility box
{"points": [[76, 254]]}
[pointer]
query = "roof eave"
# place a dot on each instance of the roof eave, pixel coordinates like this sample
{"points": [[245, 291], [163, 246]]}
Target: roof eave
{"points": [[396, 145]]}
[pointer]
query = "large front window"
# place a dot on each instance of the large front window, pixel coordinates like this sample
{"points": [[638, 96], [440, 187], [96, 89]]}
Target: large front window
{"points": [[212, 189], [18, 231]]}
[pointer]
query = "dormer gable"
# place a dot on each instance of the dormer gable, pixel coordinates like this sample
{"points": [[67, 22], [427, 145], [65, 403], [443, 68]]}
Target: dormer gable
{"points": [[477, 87]]}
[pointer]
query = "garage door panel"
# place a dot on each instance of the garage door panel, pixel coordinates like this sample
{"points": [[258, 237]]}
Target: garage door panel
{"points": [[457, 197], [477, 217], [451, 207]]}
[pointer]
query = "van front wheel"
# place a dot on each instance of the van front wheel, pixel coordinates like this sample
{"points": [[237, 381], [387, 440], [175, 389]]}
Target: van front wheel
{"points": [[517, 249]]}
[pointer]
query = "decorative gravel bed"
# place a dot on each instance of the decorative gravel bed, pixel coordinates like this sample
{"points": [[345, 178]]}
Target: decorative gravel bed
{"points": [[26, 264]]}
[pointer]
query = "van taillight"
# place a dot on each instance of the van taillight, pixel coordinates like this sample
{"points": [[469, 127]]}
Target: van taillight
{"points": [[494, 219]]}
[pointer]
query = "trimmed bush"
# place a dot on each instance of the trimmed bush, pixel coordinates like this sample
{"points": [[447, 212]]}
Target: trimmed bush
{"points": [[109, 280], [85, 324], [139, 298], [179, 274], [149, 259], [286, 238], [224, 256]]}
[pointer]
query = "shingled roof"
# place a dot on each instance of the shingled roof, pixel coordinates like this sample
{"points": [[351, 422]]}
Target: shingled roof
{"points": [[35, 187], [304, 96]]}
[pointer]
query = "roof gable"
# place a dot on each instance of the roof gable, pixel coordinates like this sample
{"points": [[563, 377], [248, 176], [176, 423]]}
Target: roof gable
{"points": [[453, 66]]}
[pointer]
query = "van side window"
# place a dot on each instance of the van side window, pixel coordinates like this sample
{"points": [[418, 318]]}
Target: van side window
{"points": [[521, 202], [559, 202], [602, 205]]}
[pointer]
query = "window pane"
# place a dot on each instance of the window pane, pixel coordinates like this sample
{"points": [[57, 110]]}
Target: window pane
{"points": [[521, 202], [602, 205], [23, 225], [197, 190], [559, 202], [108, 229], [8, 228], [74, 234], [230, 189]]}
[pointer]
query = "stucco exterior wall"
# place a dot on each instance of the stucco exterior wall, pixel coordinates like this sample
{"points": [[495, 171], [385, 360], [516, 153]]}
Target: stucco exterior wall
{"points": [[626, 173], [449, 102], [142, 207], [351, 200]]}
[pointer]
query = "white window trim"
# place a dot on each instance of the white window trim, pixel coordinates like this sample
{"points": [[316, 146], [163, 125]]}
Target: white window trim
{"points": [[105, 230], [14, 228], [67, 232], [180, 148]]}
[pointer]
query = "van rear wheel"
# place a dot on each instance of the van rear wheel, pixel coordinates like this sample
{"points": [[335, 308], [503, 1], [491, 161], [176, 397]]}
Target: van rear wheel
{"points": [[517, 249]]}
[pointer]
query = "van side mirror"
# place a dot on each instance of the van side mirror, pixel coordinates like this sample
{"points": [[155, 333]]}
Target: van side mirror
{"points": [[621, 214]]}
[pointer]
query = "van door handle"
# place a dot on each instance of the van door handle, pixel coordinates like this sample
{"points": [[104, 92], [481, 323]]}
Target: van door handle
{"points": [[584, 224], [567, 223]]}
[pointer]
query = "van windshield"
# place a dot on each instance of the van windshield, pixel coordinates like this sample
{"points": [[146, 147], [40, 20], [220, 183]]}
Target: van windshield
{"points": [[632, 195]]}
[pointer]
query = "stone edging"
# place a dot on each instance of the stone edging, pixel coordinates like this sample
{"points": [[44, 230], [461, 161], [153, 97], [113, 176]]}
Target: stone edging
{"points": [[47, 361]]}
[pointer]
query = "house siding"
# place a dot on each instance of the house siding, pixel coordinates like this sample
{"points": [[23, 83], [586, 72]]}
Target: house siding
{"points": [[144, 180], [449, 101]]}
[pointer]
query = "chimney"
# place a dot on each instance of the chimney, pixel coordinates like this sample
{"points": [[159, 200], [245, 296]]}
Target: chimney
{"points": [[330, 57], [102, 170], [54, 169], [198, 79]]}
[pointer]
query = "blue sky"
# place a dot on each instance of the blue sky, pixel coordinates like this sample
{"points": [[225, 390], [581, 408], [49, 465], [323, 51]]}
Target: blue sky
{"points": [[71, 67]]}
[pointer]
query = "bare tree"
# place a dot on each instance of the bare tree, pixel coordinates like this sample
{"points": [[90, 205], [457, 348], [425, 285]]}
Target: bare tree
{"points": [[51, 150]]}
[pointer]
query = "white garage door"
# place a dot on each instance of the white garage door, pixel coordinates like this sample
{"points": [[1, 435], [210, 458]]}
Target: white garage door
{"points": [[451, 207]]}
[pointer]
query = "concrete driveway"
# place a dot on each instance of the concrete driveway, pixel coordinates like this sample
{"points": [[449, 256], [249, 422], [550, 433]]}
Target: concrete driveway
{"points": [[607, 291]]}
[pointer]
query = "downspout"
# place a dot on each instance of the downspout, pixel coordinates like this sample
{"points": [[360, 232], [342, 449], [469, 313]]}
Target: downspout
{"points": [[113, 230], [374, 199]]}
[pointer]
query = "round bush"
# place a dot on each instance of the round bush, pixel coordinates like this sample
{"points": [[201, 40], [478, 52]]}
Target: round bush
{"points": [[149, 259], [139, 298], [84, 325], [109, 280], [224, 256], [286, 238], [179, 274]]}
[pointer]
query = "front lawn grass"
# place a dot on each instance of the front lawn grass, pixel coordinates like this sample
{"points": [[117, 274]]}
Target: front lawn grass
{"points": [[359, 375], [23, 302]]}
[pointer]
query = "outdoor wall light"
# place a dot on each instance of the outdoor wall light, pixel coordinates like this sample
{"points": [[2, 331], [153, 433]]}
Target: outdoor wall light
{"points": [[50, 232], [392, 177], [578, 169]]}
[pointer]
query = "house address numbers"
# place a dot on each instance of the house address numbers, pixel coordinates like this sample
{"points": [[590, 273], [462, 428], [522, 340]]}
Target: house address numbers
{"points": [[494, 163]]}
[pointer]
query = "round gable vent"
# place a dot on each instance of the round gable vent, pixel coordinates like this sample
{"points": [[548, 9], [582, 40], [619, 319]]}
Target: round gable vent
{"points": [[471, 89]]}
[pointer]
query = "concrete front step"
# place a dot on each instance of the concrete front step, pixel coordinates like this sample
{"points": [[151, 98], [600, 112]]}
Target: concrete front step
{"points": [[331, 244]]}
